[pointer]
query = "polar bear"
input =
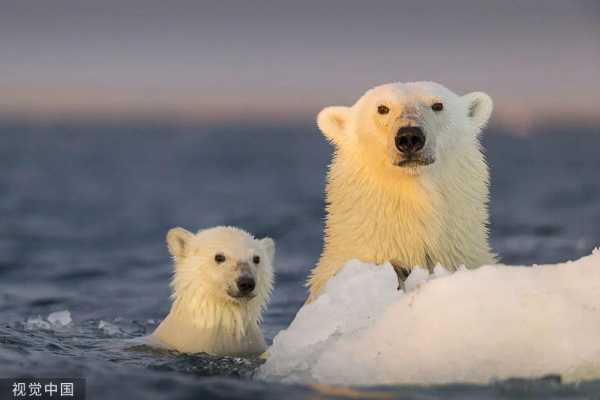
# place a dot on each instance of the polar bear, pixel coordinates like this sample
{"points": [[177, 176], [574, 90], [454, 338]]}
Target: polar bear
{"points": [[222, 281], [408, 182]]}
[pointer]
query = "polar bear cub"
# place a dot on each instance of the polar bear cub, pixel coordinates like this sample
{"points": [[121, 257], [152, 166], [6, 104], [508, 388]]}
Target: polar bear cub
{"points": [[222, 282]]}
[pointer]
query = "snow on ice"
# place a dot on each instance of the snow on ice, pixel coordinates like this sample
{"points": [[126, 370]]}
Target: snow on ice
{"points": [[475, 326]]}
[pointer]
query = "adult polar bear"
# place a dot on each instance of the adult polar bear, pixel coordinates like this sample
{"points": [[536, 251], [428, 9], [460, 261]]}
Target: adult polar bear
{"points": [[408, 182]]}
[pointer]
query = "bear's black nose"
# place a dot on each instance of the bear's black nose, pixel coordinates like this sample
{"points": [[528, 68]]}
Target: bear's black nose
{"points": [[246, 284], [410, 139]]}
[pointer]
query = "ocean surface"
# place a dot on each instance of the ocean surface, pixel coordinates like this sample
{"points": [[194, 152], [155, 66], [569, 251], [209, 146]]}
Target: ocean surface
{"points": [[84, 209]]}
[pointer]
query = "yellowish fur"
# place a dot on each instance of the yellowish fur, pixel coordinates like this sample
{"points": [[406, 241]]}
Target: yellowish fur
{"points": [[412, 216], [204, 317]]}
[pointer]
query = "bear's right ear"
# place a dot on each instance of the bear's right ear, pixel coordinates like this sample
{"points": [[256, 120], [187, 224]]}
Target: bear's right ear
{"points": [[333, 121], [178, 240]]}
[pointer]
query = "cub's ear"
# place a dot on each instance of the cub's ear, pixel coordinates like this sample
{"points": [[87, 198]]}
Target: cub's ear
{"points": [[333, 121], [479, 108], [268, 246], [178, 241]]}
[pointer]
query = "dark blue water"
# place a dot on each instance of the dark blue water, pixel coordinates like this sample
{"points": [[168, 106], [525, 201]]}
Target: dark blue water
{"points": [[84, 209]]}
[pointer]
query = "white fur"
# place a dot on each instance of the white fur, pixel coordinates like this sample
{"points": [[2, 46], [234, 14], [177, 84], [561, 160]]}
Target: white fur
{"points": [[204, 317], [378, 211]]}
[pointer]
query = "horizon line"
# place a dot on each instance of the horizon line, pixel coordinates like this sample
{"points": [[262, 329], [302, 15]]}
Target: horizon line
{"points": [[191, 106]]}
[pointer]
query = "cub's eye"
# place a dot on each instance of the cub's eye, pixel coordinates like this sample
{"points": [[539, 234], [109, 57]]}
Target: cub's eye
{"points": [[383, 109], [256, 259], [437, 106], [219, 258]]}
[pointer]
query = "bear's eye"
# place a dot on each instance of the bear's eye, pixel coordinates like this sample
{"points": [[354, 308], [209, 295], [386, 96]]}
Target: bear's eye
{"points": [[219, 258], [437, 106], [256, 259], [383, 109]]}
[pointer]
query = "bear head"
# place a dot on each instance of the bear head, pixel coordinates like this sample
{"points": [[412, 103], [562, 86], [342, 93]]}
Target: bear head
{"points": [[221, 263], [406, 127]]}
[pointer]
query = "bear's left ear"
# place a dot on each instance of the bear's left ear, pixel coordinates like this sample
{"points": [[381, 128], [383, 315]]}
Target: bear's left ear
{"points": [[268, 246], [333, 121], [479, 108]]}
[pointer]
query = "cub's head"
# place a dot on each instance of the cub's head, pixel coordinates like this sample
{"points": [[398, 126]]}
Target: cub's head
{"points": [[222, 264], [407, 127]]}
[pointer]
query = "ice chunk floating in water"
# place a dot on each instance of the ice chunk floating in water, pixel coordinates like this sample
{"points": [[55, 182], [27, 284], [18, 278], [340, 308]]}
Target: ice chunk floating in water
{"points": [[62, 318], [56, 319], [494, 322]]}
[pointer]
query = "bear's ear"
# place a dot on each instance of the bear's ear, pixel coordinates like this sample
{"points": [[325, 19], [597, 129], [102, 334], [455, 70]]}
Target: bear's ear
{"points": [[333, 121], [178, 241], [268, 246], [479, 108]]}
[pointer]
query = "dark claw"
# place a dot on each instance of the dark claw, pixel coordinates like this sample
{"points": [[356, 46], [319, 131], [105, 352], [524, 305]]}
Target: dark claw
{"points": [[402, 273]]}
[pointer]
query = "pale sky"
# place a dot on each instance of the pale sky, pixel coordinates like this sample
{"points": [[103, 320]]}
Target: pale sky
{"points": [[213, 58]]}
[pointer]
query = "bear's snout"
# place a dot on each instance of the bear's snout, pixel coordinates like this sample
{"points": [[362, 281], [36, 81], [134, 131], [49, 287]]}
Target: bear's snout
{"points": [[410, 139], [246, 285]]}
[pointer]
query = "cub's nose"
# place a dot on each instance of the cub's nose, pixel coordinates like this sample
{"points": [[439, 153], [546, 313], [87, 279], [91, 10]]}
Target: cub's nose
{"points": [[410, 139], [246, 285]]}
